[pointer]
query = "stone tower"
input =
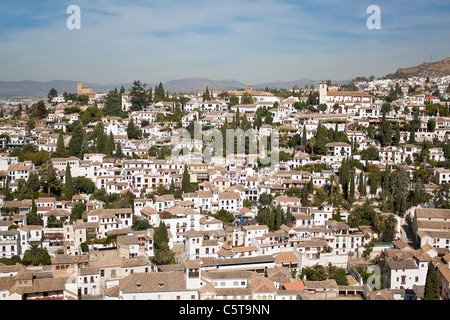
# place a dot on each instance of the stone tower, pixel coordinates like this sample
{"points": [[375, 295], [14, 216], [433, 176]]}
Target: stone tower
{"points": [[323, 92]]}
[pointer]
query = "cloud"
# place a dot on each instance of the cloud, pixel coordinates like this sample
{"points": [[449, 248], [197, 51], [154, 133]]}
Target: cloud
{"points": [[249, 40]]}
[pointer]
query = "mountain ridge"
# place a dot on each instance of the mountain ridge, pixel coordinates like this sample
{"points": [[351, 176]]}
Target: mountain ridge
{"points": [[426, 69], [31, 88]]}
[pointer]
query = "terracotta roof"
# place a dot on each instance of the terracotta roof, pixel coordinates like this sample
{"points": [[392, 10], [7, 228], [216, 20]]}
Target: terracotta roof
{"points": [[296, 285], [153, 282], [260, 284]]}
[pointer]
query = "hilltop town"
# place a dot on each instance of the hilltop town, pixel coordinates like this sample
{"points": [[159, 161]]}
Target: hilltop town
{"points": [[119, 195]]}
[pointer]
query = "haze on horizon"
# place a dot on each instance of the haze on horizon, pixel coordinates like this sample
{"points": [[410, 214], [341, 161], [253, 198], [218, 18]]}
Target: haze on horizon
{"points": [[251, 41]]}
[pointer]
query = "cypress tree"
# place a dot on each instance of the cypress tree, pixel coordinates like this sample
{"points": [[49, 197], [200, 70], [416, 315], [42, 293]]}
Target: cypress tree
{"points": [[6, 192], [370, 131], [304, 140], [119, 153], [186, 181], [109, 146], [361, 186], [68, 186], [172, 187], [111, 140], [400, 202], [345, 176], [32, 217], [385, 132], [161, 237], [431, 284], [386, 186], [133, 131], [351, 196], [60, 147], [397, 135], [412, 135], [76, 142]]}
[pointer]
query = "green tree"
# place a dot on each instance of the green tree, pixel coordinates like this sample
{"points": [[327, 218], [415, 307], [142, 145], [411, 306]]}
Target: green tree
{"points": [[186, 184], [113, 104], [432, 284], [99, 133], [36, 256], [397, 135], [233, 100], [385, 132], [133, 131], [49, 179], [314, 273], [160, 93], [161, 236], [206, 95], [247, 98], [119, 154], [77, 140], [91, 114], [351, 196], [138, 96], [33, 182], [52, 94], [400, 203], [83, 185], [68, 184], [345, 177], [41, 110], [370, 131], [388, 235], [33, 219], [370, 153], [362, 215], [61, 151], [362, 185], [224, 216], [140, 224], [431, 125], [163, 255], [77, 211]]}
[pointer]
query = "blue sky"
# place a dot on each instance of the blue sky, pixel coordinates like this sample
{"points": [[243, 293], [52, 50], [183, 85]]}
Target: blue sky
{"points": [[251, 41]]}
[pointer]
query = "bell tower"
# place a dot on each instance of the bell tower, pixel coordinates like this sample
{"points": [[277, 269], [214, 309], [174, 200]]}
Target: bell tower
{"points": [[323, 92]]}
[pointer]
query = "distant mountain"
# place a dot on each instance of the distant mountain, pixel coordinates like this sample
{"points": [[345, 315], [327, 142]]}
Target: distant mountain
{"points": [[9, 89], [291, 84], [426, 69], [200, 84]]}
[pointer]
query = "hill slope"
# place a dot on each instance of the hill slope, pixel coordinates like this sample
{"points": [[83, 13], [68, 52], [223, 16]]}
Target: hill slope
{"points": [[426, 69]]}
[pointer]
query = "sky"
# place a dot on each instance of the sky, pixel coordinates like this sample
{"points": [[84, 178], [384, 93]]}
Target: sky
{"points": [[252, 41]]}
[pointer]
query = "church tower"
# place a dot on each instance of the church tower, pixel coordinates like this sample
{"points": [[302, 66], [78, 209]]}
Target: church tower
{"points": [[193, 274], [79, 86], [323, 92]]}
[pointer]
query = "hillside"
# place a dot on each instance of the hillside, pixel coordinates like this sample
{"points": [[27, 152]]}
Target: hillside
{"points": [[426, 69]]}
